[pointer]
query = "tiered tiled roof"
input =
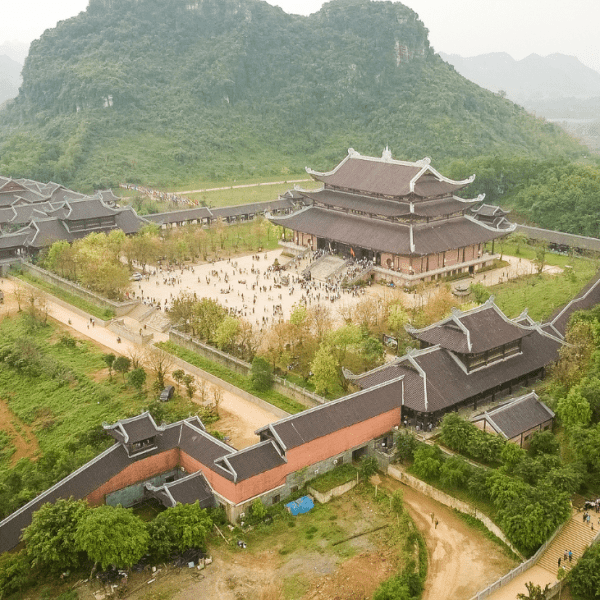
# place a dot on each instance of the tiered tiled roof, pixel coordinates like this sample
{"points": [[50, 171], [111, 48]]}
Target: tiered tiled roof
{"points": [[385, 236], [478, 330], [187, 490], [435, 379], [388, 177]]}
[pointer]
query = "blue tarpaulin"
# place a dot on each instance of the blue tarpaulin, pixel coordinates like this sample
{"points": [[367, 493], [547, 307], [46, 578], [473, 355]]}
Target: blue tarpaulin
{"points": [[300, 506]]}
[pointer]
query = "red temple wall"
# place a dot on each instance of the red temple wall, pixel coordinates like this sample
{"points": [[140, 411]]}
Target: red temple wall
{"points": [[138, 471], [298, 458]]}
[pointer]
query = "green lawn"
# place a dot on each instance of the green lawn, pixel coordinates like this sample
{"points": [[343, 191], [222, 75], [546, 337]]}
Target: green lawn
{"points": [[88, 307], [543, 294]]}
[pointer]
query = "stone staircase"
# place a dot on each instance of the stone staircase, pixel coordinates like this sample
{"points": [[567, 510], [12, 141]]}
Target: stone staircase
{"points": [[325, 267], [140, 312], [158, 320], [574, 536]]}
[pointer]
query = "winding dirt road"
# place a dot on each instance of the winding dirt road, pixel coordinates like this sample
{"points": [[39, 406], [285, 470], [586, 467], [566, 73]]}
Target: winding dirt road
{"points": [[460, 562]]}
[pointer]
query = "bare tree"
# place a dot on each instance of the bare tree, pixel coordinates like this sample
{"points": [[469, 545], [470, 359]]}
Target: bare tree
{"points": [[20, 294], [159, 362], [136, 356], [37, 304], [217, 394]]}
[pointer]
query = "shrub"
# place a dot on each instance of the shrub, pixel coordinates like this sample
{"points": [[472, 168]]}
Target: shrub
{"points": [[584, 579], [428, 462], [258, 510], [367, 467]]}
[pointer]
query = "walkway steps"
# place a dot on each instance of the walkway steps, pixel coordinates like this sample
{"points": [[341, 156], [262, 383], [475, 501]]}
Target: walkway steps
{"points": [[325, 267], [574, 536]]}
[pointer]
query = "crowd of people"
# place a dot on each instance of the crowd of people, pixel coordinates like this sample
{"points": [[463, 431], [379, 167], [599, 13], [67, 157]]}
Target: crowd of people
{"points": [[253, 287], [158, 194]]}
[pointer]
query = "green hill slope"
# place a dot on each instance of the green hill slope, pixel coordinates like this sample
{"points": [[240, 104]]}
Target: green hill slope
{"points": [[167, 91]]}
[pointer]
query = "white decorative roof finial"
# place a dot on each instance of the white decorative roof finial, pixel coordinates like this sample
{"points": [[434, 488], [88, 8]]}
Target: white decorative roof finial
{"points": [[386, 154]]}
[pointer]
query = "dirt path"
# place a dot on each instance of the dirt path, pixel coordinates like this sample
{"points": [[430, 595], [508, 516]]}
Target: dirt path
{"points": [[239, 418], [461, 560], [21, 435]]}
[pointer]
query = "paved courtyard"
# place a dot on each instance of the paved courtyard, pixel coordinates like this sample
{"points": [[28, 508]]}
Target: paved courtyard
{"points": [[247, 286]]}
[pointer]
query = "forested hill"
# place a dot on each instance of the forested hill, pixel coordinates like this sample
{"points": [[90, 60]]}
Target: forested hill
{"points": [[166, 91]]}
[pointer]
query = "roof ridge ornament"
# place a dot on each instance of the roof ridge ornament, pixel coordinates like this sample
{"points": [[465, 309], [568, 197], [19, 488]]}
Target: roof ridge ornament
{"points": [[386, 155], [425, 161]]}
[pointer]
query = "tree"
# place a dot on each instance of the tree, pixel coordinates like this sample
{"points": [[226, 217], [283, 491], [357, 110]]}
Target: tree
{"points": [[226, 333], [576, 354], [584, 579], [37, 302], [137, 378], [397, 319], [20, 294], [512, 455], [540, 256], [178, 528], [480, 292], [406, 444], [534, 592], [543, 442], [122, 365], [112, 536], [574, 409], [261, 374], [258, 510], [427, 462], [178, 376], [181, 311], [160, 363], [455, 432], [109, 359], [15, 573], [208, 315], [217, 394], [50, 539], [190, 385], [518, 239], [454, 472], [325, 372]]}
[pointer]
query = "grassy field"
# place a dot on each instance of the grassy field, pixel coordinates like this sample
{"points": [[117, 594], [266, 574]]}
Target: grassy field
{"points": [[88, 307], [543, 294], [244, 383], [338, 476], [259, 193], [60, 387]]}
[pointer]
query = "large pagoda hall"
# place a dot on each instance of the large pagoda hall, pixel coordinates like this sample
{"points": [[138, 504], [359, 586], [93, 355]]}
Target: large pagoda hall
{"points": [[405, 217]]}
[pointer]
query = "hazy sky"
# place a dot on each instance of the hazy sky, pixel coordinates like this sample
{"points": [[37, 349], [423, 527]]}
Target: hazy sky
{"points": [[466, 27]]}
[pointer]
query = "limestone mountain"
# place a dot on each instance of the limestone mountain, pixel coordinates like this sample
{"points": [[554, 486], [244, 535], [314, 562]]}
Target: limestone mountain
{"points": [[167, 91], [10, 78], [534, 78]]}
